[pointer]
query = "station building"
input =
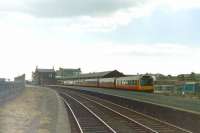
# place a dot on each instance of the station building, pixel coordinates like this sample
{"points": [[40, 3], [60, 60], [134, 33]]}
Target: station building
{"points": [[44, 76], [2, 80], [193, 77], [67, 72]]}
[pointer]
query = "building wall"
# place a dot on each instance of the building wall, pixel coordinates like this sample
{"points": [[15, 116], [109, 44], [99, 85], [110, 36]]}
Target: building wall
{"points": [[44, 78], [61, 73]]}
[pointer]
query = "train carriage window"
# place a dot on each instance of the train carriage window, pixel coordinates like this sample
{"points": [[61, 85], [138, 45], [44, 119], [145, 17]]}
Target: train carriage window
{"points": [[125, 82], [130, 82], [134, 82]]}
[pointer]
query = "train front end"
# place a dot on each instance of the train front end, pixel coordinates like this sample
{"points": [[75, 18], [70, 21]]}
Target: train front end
{"points": [[147, 83]]}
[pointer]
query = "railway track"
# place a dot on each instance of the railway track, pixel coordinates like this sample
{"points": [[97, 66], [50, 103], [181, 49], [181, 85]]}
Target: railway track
{"points": [[97, 115], [84, 120], [74, 124]]}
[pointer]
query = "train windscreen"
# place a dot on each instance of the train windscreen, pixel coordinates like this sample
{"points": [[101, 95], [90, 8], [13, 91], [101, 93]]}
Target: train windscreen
{"points": [[146, 80]]}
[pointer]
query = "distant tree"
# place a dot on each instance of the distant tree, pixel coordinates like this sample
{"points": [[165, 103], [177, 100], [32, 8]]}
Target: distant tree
{"points": [[181, 77], [193, 76], [169, 76]]}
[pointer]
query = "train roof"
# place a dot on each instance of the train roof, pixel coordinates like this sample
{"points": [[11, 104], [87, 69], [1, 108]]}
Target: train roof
{"points": [[130, 78], [133, 77]]}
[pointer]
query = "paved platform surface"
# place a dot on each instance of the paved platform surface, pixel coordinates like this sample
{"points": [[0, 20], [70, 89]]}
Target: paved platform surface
{"points": [[179, 103], [36, 110]]}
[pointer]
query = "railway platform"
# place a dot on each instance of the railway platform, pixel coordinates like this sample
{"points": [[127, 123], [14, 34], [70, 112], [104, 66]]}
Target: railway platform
{"points": [[177, 103], [37, 109]]}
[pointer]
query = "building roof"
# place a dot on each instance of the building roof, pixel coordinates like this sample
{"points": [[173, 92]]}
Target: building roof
{"points": [[95, 74], [107, 74], [70, 69], [45, 70]]}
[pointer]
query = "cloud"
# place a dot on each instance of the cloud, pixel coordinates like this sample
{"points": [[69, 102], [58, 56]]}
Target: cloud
{"points": [[159, 50], [77, 15], [91, 15], [68, 8], [62, 50], [59, 27], [179, 4], [163, 58], [93, 8]]}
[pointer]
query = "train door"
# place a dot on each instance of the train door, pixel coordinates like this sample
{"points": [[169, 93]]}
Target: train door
{"points": [[138, 85], [115, 82], [98, 82]]}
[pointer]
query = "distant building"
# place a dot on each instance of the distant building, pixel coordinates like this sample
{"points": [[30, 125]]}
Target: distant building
{"points": [[2, 80], [66, 72], [191, 88], [189, 77], [20, 78], [44, 76]]}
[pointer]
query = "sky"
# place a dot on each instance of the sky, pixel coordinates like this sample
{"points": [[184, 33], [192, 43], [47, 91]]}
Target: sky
{"points": [[132, 36]]}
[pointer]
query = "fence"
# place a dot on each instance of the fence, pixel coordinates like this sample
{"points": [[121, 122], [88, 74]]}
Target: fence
{"points": [[9, 90], [186, 89]]}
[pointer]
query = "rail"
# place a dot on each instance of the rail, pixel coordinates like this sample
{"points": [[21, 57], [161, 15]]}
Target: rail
{"points": [[156, 124], [86, 118], [117, 122], [140, 122]]}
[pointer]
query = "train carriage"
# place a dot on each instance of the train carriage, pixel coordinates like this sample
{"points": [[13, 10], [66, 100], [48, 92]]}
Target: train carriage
{"points": [[107, 82], [137, 83], [91, 82], [128, 83], [68, 82]]}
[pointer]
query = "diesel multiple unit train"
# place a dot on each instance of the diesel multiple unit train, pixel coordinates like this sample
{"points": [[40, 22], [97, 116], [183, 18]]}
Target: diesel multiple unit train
{"points": [[137, 83]]}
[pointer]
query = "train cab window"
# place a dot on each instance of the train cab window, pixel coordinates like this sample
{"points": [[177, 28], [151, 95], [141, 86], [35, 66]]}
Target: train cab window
{"points": [[146, 80]]}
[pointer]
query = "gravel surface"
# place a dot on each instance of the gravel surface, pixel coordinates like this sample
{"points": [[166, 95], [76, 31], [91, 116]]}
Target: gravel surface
{"points": [[36, 110]]}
